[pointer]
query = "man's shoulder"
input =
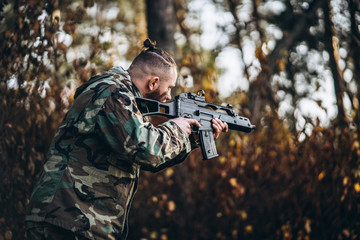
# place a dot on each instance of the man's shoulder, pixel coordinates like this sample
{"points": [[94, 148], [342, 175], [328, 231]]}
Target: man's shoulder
{"points": [[119, 75], [110, 80]]}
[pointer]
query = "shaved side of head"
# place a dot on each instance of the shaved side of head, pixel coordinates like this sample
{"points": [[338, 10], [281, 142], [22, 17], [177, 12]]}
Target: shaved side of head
{"points": [[151, 61]]}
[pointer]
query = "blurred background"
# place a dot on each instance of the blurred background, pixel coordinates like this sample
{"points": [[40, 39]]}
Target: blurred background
{"points": [[291, 66]]}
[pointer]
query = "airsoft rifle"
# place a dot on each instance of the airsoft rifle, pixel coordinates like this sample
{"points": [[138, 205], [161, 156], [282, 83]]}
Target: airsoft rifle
{"points": [[190, 105]]}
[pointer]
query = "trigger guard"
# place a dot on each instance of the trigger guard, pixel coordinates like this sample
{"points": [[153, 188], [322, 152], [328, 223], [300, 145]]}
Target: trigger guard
{"points": [[194, 129]]}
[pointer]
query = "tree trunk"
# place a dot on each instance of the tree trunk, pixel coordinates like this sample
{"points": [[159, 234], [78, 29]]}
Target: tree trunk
{"points": [[161, 28], [260, 92], [331, 47], [355, 54], [161, 24]]}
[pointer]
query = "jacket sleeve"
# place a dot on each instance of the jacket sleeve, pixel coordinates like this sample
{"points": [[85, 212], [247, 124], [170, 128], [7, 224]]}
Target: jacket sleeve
{"points": [[121, 126]]}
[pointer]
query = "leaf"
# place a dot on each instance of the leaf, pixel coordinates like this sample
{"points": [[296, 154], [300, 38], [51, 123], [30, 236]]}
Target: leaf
{"points": [[321, 175], [357, 187], [171, 206], [56, 16]]}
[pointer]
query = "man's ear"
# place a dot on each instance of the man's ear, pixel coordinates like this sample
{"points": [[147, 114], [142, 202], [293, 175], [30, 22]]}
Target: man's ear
{"points": [[153, 83]]}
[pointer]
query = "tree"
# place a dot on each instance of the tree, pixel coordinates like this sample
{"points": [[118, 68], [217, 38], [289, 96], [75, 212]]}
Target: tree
{"points": [[304, 186], [161, 23], [48, 49], [354, 40], [295, 177]]}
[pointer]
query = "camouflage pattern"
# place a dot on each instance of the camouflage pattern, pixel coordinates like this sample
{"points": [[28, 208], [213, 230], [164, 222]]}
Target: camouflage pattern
{"points": [[91, 171], [46, 231]]}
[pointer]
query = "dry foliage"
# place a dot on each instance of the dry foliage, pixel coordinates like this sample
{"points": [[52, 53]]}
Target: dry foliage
{"points": [[265, 185]]}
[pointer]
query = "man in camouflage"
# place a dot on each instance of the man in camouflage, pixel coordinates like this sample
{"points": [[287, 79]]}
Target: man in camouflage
{"points": [[91, 172]]}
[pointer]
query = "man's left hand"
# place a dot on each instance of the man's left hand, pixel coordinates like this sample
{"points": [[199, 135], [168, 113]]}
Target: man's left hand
{"points": [[219, 127]]}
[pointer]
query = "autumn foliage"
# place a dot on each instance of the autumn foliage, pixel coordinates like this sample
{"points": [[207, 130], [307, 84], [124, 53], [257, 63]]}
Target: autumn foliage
{"points": [[264, 186], [279, 182]]}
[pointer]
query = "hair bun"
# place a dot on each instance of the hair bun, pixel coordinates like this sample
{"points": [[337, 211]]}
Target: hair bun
{"points": [[149, 44]]}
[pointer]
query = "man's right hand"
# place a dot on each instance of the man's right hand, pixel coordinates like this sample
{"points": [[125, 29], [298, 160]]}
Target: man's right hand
{"points": [[185, 124]]}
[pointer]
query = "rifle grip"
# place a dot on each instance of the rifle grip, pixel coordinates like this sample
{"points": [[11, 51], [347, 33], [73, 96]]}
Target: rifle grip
{"points": [[207, 144]]}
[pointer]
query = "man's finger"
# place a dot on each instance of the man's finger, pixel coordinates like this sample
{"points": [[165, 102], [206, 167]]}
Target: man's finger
{"points": [[219, 125], [226, 127], [192, 121]]}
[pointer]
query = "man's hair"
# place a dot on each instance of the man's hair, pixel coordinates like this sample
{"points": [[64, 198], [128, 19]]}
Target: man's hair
{"points": [[152, 60]]}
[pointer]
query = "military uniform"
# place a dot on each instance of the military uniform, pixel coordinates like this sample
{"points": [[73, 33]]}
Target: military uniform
{"points": [[91, 171]]}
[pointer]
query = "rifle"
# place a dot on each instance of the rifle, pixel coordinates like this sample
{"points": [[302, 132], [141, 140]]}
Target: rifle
{"points": [[190, 105]]}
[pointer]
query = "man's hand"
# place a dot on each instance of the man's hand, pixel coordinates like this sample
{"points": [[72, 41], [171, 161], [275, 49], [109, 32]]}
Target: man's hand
{"points": [[185, 124], [219, 127]]}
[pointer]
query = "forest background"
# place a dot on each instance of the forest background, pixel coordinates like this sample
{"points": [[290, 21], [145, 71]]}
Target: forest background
{"points": [[297, 77]]}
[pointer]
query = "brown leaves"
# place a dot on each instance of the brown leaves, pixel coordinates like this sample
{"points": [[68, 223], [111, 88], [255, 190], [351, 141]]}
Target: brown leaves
{"points": [[266, 185], [56, 16], [70, 27]]}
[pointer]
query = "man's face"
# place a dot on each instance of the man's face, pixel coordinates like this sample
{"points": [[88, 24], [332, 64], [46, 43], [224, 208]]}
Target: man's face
{"points": [[163, 92]]}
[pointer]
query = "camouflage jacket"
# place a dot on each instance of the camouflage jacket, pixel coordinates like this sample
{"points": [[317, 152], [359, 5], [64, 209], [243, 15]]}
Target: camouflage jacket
{"points": [[91, 171]]}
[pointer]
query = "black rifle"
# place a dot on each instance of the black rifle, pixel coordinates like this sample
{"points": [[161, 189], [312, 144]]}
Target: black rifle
{"points": [[190, 105]]}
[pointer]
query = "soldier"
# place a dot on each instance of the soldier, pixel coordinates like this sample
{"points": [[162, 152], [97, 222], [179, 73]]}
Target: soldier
{"points": [[91, 171]]}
